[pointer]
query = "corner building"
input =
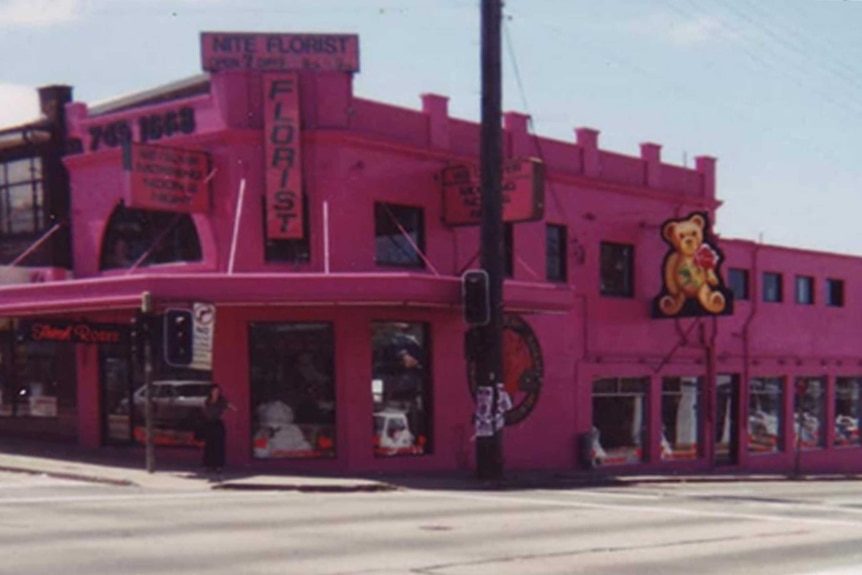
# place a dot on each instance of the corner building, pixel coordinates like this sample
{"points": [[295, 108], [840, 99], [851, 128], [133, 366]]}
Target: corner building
{"points": [[340, 337]]}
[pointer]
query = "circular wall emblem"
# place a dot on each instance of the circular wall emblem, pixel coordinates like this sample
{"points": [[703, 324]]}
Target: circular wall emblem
{"points": [[523, 367]]}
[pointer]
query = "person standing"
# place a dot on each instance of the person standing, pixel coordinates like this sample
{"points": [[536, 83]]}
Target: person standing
{"points": [[214, 430]]}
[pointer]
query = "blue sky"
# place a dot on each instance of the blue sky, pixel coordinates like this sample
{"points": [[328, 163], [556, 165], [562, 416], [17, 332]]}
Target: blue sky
{"points": [[772, 88]]}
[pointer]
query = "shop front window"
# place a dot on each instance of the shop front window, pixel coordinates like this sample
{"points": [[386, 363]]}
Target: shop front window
{"points": [[847, 395], [618, 418], [765, 410], [809, 410], [292, 390], [680, 409], [400, 388]]}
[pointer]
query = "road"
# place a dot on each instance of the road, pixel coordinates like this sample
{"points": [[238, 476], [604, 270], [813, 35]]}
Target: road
{"points": [[50, 526]]}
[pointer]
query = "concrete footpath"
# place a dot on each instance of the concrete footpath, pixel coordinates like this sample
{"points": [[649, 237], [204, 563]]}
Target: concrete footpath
{"points": [[180, 469]]}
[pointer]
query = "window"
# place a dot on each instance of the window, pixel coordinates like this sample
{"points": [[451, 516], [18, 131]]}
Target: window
{"points": [[835, 293], [809, 409], [847, 414], [805, 290], [508, 249], [400, 235], [38, 381], [618, 418], [772, 288], [400, 387], [292, 390], [738, 280], [617, 269], [726, 417], [680, 407], [765, 414], [555, 242], [21, 197], [157, 237], [295, 251]]}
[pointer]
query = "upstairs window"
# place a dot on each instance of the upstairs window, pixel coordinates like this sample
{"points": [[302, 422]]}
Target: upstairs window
{"points": [[772, 288], [294, 251], [805, 290], [835, 293], [399, 233], [22, 197], [738, 281], [617, 270], [154, 237], [555, 241]]}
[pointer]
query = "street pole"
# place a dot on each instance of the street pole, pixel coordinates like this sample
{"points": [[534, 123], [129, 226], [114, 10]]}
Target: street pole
{"points": [[146, 316], [489, 360]]}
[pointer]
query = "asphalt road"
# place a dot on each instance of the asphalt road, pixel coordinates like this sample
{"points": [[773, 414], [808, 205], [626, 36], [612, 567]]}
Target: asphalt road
{"points": [[51, 526]]}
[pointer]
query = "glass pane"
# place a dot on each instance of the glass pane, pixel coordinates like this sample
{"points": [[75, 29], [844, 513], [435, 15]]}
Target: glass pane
{"points": [[400, 388], [164, 237], [765, 409], [680, 409], [21, 209], [619, 422], [398, 234], [23, 171], [847, 395], [292, 390], [809, 410]]}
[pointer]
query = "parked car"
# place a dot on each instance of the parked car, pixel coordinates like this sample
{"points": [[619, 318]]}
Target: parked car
{"points": [[174, 401]]}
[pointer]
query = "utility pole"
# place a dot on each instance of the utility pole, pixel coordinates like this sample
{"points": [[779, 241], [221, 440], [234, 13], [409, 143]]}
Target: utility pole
{"points": [[147, 320], [489, 360]]}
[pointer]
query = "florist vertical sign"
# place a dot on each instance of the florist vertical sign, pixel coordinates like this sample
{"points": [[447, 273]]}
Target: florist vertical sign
{"points": [[284, 211]]}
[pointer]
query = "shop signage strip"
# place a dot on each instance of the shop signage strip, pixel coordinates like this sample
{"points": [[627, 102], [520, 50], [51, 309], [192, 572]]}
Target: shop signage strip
{"points": [[65, 331], [279, 52], [167, 179], [523, 192], [283, 168]]}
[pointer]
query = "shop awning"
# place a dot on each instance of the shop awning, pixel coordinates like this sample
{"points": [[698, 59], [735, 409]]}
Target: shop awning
{"points": [[348, 289]]}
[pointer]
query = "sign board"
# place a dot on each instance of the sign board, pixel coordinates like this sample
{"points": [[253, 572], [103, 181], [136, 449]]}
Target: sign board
{"points": [[166, 179], [523, 192], [283, 160], [202, 340], [279, 52], [66, 331]]}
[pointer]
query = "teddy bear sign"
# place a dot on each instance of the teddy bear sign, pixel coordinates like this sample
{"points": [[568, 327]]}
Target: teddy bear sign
{"points": [[692, 283]]}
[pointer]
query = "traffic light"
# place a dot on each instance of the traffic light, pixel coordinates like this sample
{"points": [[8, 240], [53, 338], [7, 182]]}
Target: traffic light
{"points": [[475, 297], [179, 337]]}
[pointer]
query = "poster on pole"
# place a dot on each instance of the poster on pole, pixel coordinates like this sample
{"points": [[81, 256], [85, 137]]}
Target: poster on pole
{"points": [[204, 315]]}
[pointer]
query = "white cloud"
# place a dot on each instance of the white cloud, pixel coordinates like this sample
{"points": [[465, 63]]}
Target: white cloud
{"points": [[39, 12], [18, 104], [679, 31]]}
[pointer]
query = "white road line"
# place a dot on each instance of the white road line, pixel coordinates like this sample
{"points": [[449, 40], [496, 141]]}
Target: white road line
{"points": [[140, 497], [666, 510]]}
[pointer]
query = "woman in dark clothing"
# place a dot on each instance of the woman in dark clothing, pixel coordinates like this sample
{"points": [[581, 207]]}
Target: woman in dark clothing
{"points": [[214, 430]]}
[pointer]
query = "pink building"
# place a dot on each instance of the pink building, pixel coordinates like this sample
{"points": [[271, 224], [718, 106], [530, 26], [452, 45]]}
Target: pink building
{"points": [[304, 228]]}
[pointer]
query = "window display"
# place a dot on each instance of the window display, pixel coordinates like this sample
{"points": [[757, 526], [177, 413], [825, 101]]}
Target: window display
{"points": [[726, 407], [765, 409], [400, 388], [847, 390], [680, 410], [292, 390], [618, 419], [809, 410]]}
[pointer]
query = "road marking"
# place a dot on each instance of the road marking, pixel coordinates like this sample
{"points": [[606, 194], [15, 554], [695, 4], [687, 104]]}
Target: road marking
{"points": [[139, 497], [667, 510]]}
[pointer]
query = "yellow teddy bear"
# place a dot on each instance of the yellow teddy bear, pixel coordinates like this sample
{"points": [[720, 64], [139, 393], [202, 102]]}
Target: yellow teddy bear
{"points": [[689, 270]]}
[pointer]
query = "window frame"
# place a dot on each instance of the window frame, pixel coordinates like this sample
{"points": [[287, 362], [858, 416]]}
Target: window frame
{"points": [[767, 285], [830, 296], [386, 215], [32, 185], [556, 253], [743, 275], [800, 291], [628, 274]]}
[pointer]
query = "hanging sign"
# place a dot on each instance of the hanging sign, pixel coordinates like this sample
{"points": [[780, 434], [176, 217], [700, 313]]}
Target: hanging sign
{"points": [[693, 285], [166, 179], [283, 169], [279, 52], [203, 315], [65, 331], [523, 192]]}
